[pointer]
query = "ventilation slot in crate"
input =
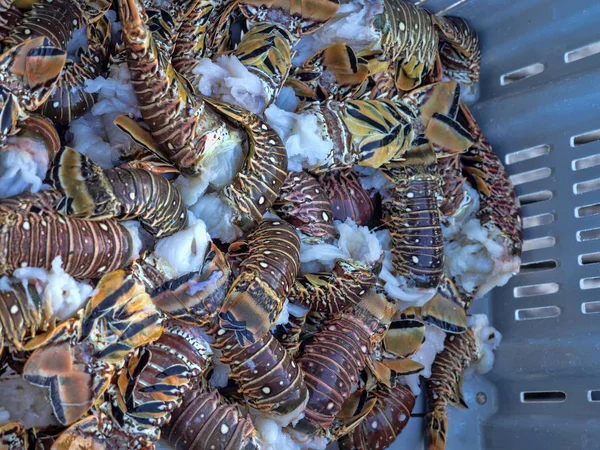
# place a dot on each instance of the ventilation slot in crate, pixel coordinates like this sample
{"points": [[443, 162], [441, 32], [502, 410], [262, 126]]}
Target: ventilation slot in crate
{"points": [[541, 312], [538, 243], [543, 397], [586, 186], [532, 175], [535, 197], [535, 289], [585, 138], [582, 52], [538, 220], [521, 74], [586, 163], [590, 307], [538, 266], [589, 258], [588, 210], [528, 153], [594, 396], [588, 235], [589, 283]]}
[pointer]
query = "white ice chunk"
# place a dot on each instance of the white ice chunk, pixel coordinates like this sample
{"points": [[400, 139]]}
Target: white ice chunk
{"points": [[23, 402], [185, 250], [217, 216], [23, 166], [62, 293], [287, 99], [90, 139], [229, 80], [351, 24], [271, 436], [374, 181], [488, 339], [301, 136], [355, 242]]}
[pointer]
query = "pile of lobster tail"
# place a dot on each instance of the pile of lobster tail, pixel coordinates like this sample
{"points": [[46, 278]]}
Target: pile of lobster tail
{"points": [[247, 224]]}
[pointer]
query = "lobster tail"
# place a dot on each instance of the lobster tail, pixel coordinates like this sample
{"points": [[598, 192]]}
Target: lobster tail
{"points": [[436, 429], [87, 190]]}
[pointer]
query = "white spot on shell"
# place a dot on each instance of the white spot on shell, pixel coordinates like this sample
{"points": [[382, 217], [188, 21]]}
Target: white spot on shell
{"points": [[14, 309], [266, 390], [415, 259], [224, 429]]}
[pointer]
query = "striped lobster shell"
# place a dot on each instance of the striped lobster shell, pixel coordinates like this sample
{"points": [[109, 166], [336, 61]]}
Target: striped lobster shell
{"points": [[31, 234], [266, 51], [22, 313], [338, 290], [93, 193], [182, 126], [206, 420], [349, 200], [194, 298], [267, 274], [382, 425], [304, 203], [364, 132], [69, 100], [154, 380], [267, 375], [299, 18], [499, 206], [409, 39], [460, 51], [56, 20], [444, 385], [333, 358], [256, 186], [416, 233]]}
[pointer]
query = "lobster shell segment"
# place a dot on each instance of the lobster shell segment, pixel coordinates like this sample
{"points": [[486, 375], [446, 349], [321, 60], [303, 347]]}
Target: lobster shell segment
{"points": [[256, 297]]}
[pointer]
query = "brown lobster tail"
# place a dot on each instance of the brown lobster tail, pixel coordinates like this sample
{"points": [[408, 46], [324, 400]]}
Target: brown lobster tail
{"points": [[32, 67], [256, 187], [417, 247], [44, 20], [205, 420], [499, 204], [304, 203], [10, 15], [22, 313], [93, 193], [267, 374], [349, 200], [190, 44], [460, 51], [256, 297], [69, 100], [331, 363], [444, 385], [384, 422], [154, 380], [32, 236], [335, 291]]}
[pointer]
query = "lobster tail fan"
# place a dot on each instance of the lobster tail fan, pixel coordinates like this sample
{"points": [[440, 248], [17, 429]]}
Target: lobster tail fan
{"points": [[87, 191], [445, 311]]}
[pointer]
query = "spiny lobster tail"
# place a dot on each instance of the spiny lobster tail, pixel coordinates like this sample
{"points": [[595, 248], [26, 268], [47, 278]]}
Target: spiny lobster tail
{"points": [[33, 68], [69, 100], [87, 190], [460, 51], [445, 310], [444, 385]]}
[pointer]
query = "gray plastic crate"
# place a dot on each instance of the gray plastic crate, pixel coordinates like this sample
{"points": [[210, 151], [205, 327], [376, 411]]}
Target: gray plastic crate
{"points": [[539, 105]]}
